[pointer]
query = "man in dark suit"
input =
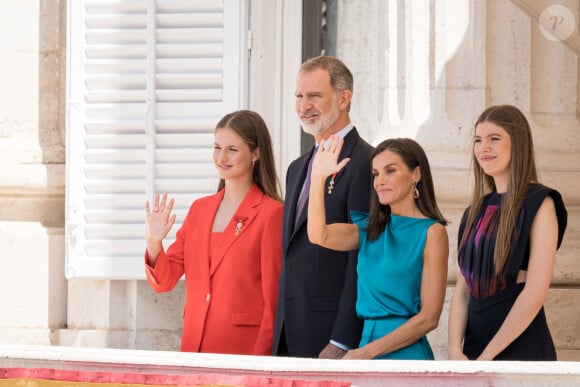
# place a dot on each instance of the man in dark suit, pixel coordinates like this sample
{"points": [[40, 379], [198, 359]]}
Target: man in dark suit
{"points": [[316, 314]]}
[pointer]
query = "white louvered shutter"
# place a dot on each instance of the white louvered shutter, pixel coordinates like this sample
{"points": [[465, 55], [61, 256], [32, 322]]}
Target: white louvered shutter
{"points": [[146, 83]]}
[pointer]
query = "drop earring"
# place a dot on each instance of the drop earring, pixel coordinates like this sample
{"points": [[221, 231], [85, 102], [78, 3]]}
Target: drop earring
{"points": [[416, 194]]}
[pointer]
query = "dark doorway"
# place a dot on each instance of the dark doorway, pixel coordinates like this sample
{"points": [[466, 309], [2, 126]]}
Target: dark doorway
{"points": [[319, 22]]}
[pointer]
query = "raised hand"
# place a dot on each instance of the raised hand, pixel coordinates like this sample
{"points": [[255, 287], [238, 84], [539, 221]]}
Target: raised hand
{"points": [[336, 236], [158, 223], [325, 161]]}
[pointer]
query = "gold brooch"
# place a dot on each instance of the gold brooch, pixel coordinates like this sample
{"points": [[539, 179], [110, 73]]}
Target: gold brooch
{"points": [[239, 224]]}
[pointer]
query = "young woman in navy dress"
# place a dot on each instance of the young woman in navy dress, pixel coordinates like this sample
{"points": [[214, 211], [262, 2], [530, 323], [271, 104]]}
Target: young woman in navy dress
{"points": [[507, 240]]}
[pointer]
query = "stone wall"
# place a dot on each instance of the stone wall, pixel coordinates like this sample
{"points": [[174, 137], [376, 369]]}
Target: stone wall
{"points": [[32, 155]]}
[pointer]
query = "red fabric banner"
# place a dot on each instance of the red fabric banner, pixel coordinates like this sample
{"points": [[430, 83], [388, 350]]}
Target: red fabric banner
{"points": [[45, 377]]}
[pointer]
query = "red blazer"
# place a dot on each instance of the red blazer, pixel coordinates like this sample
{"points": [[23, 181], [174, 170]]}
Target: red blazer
{"points": [[231, 298]]}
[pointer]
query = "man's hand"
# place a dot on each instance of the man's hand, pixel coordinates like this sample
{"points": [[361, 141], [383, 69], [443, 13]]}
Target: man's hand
{"points": [[331, 352], [359, 353]]}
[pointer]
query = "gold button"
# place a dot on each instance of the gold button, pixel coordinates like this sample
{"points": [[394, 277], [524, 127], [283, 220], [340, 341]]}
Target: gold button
{"points": [[207, 297]]}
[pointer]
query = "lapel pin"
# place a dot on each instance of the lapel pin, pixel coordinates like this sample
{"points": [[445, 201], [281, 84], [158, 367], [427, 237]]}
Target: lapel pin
{"points": [[331, 184], [239, 225]]}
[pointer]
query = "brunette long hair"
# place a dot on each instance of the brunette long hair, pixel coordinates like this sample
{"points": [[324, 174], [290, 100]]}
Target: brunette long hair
{"points": [[522, 171], [413, 156], [252, 129]]}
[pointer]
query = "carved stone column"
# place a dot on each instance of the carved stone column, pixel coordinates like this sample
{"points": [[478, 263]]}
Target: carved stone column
{"points": [[33, 287]]}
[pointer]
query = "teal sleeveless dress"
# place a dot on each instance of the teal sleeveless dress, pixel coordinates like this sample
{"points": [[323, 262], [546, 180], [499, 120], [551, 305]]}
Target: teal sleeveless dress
{"points": [[389, 280]]}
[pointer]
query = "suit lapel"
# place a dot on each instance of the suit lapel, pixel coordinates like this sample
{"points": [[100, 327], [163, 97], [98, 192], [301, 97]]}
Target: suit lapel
{"points": [[238, 225], [294, 188]]}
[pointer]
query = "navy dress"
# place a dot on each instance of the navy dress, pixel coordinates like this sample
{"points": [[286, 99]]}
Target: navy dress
{"points": [[491, 295]]}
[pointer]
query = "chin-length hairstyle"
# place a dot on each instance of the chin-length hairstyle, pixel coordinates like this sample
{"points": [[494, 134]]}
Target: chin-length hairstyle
{"points": [[252, 129], [522, 172], [413, 156]]}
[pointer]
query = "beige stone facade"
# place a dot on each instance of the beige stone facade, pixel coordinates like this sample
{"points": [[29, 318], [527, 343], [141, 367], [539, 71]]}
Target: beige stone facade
{"points": [[32, 177], [419, 71]]}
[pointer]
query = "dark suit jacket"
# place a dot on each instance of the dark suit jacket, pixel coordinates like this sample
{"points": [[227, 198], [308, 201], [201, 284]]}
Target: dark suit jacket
{"points": [[231, 291], [317, 295]]}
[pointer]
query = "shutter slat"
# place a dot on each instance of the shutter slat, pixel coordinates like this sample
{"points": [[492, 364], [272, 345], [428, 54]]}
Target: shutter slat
{"points": [[117, 36], [189, 65], [127, 156], [138, 141], [186, 125], [189, 81], [201, 185], [113, 142], [169, 170], [122, 219], [185, 110], [197, 140], [116, 82], [119, 111], [184, 20], [115, 186], [111, 21], [111, 51], [197, 6], [115, 171], [187, 155], [116, 127], [190, 35], [113, 248], [198, 50], [135, 185], [137, 202], [200, 95], [114, 230], [94, 7], [188, 171], [108, 96], [108, 66]]}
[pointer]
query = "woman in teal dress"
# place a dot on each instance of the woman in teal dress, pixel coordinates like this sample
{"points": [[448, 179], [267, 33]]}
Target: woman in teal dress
{"points": [[403, 247]]}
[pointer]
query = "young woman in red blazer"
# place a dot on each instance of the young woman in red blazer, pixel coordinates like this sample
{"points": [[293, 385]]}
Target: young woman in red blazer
{"points": [[229, 246]]}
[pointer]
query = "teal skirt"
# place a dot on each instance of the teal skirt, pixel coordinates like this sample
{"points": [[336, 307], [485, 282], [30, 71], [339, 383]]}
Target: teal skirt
{"points": [[375, 329]]}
